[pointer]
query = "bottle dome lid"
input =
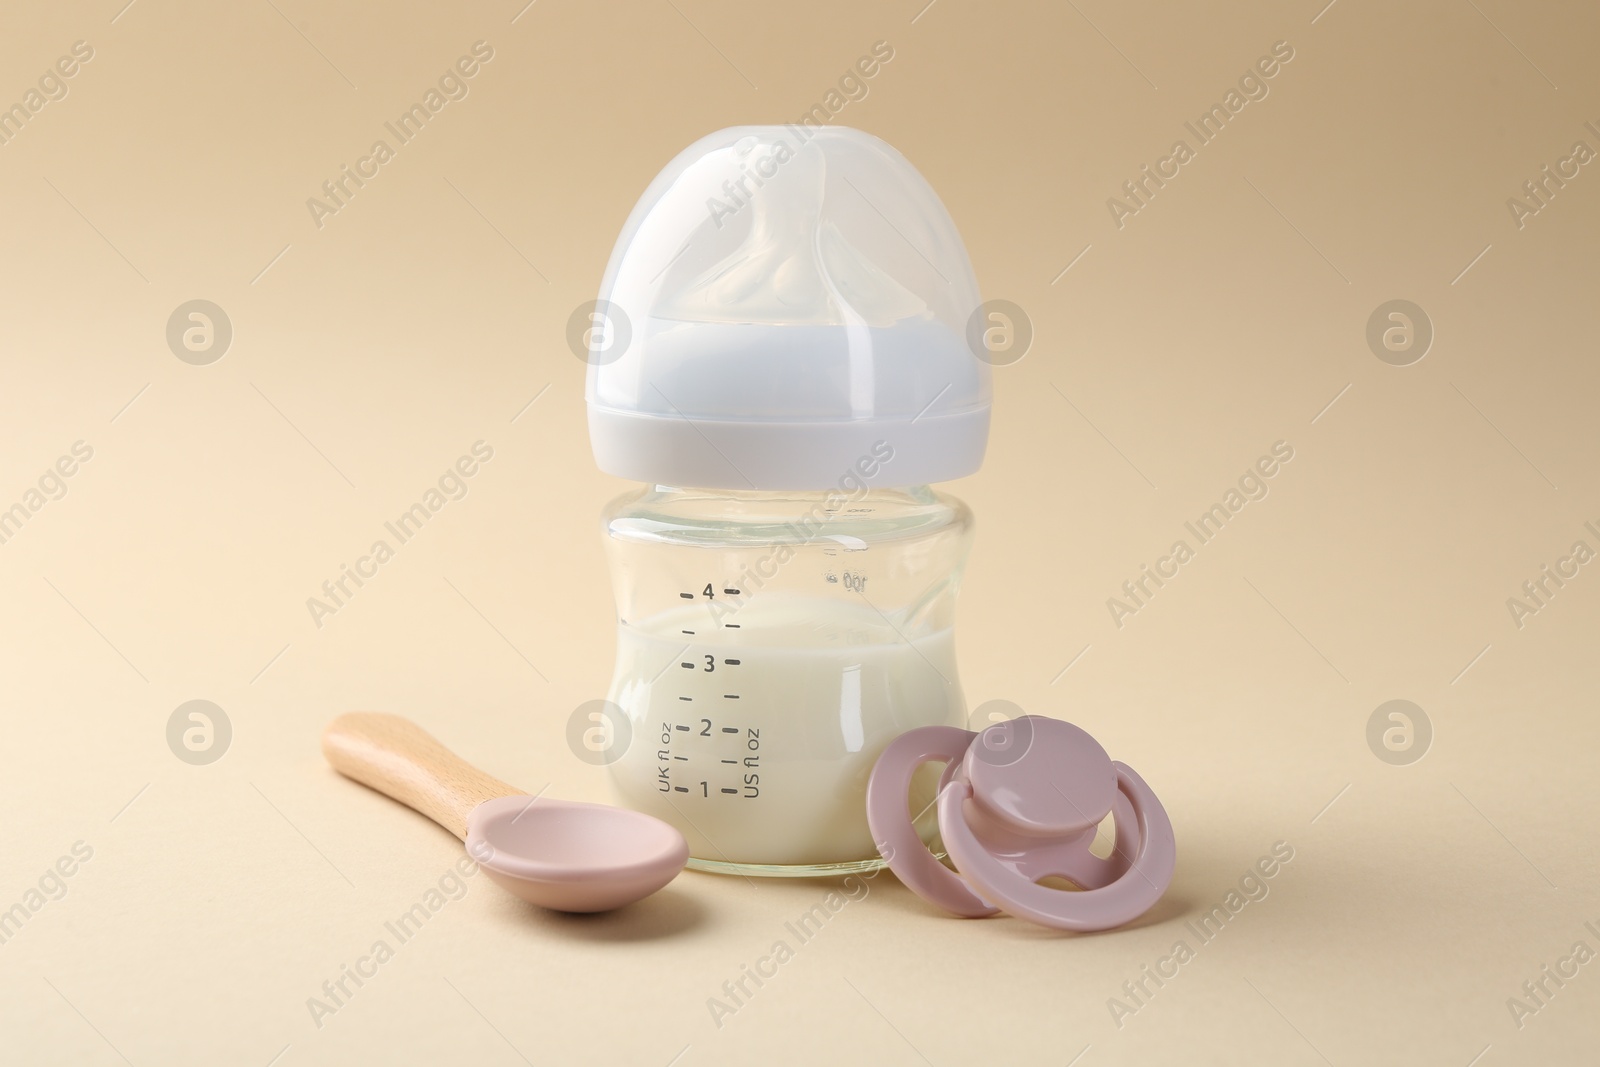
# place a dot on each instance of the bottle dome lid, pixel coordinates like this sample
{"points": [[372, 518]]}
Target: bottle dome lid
{"points": [[787, 306]]}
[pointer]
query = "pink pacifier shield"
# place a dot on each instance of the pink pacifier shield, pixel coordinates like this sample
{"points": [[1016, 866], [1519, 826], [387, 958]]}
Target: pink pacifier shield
{"points": [[890, 819]]}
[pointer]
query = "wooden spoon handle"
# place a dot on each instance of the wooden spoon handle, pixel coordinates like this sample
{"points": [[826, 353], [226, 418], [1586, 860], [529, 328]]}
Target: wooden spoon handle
{"points": [[401, 760]]}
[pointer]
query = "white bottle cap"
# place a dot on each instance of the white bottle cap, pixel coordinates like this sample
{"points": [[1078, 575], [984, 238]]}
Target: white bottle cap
{"points": [[785, 306]]}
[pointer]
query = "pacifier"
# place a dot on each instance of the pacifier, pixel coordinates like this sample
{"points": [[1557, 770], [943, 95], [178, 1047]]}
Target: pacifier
{"points": [[1018, 803]]}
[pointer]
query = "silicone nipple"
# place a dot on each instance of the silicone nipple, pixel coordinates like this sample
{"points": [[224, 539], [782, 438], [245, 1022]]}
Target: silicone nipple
{"points": [[793, 265]]}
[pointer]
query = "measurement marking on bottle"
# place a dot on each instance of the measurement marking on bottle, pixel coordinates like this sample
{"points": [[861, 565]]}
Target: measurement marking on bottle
{"points": [[686, 698], [687, 596], [680, 789], [730, 729], [684, 758], [731, 592], [687, 666], [732, 761], [731, 662], [689, 632], [729, 625], [685, 729], [731, 696], [734, 792]]}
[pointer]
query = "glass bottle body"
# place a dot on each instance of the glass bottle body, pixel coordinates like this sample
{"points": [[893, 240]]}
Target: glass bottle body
{"points": [[770, 644]]}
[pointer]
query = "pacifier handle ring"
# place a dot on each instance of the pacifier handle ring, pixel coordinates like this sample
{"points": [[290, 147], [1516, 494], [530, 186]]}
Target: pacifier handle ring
{"points": [[1093, 909], [891, 825]]}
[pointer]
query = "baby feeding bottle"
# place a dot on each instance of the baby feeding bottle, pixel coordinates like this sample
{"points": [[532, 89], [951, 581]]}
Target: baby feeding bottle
{"points": [[784, 366]]}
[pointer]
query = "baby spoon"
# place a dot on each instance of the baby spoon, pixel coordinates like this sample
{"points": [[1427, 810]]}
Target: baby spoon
{"points": [[558, 854]]}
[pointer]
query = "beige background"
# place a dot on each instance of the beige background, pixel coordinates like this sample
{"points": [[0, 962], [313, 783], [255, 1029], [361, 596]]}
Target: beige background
{"points": [[368, 354]]}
